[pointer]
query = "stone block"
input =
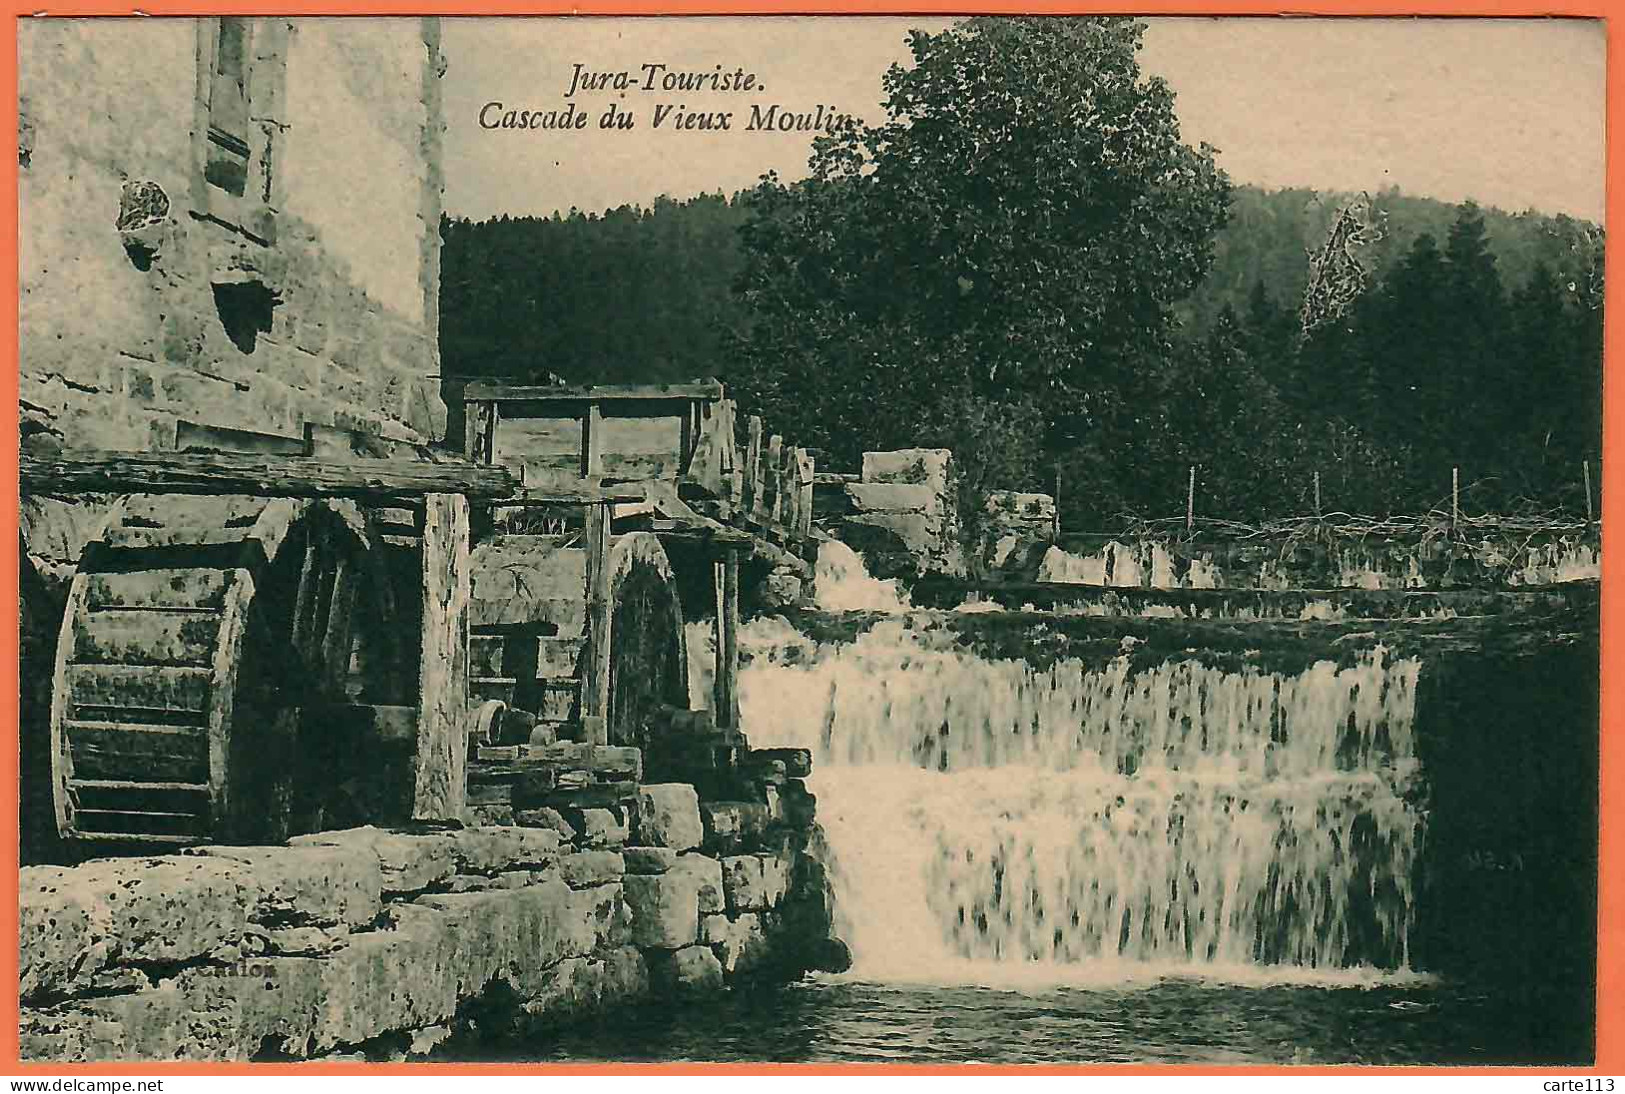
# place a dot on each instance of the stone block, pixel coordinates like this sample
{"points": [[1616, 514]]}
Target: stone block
{"points": [[906, 533], [668, 815], [410, 862], [579, 985], [600, 918], [800, 805], [665, 909], [732, 827], [309, 886], [572, 987], [304, 941], [707, 875], [538, 925], [649, 860], [690, 970], [494, 849], [886, 497], [754, 883], [797, 761], [1018, 505], [584, 869], [739, 943], [547, 818], [75, 921], [909, 466], [599, 827]]}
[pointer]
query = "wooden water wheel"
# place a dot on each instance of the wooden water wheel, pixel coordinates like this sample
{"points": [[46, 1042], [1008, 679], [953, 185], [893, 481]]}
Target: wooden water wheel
{"points": [[529, 618], [197, 629]]}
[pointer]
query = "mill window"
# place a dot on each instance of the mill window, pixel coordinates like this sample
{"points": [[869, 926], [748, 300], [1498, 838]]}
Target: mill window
{"points": [[228, 151]]}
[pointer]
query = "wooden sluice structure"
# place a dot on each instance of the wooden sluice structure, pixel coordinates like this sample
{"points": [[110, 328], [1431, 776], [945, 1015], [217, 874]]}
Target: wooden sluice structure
{"points": [[242, 629]]}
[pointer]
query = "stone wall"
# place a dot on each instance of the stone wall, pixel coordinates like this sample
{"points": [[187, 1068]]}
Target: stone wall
{"points": [[149, 294], [376, 944]]}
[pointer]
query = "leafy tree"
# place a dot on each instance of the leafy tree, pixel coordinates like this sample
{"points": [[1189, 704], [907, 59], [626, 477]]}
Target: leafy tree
{"points": [[1020, 226]]}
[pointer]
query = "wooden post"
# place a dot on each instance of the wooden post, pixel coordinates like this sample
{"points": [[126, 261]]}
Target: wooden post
{"points": [[1057, 499], [439, 786], [753, 464], [595, 681], [1585, 469], [1190, 502], [773, 472], [725, 689], [473, 426], [592, 441], [1455, 496], [1317, 495], [493, 415], [689, 431], [805, 472]]}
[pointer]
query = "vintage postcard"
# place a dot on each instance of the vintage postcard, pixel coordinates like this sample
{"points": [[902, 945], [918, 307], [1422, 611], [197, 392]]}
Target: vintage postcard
{"points": [[910, 540]]}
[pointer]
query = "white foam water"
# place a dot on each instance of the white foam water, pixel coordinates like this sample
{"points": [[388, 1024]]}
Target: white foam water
{"points": [[841, 583], [999, 823]]}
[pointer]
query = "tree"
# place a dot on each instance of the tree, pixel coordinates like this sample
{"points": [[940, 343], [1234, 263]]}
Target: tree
{"points": [[1019, 227]]}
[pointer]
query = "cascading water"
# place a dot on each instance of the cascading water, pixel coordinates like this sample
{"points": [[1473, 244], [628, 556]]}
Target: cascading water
{"points": [[994, 820]]}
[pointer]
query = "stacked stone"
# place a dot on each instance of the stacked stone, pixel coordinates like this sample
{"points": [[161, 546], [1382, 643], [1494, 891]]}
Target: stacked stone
{"points": [[719, 893], [902, 515]]}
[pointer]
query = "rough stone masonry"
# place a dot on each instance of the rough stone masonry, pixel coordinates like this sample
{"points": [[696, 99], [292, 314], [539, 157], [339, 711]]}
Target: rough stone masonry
{"points": [[375, 944]]}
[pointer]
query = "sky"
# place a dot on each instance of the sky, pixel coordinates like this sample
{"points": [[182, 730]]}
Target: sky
{"points": [[1509, 113]]}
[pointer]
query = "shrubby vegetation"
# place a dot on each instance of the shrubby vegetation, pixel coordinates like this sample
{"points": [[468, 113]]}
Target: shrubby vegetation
{"points": [[1025, 263]]}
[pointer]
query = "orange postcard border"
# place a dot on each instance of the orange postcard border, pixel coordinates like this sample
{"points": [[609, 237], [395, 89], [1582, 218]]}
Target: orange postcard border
{"points": [[1611, 880]]}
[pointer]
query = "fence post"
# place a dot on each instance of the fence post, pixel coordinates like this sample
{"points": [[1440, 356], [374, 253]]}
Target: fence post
{"points": [[1317, 495], [1057, 503], [1190, 501], [1585, 467], [1455, 496]]}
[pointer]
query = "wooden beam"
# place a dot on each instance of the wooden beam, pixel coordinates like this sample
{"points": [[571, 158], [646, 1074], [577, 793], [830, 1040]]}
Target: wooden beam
{"points": [[773, 484], [725, 691], [440, 768], [95, 472], [753, 464], [806, 474], [595, 681], [480, 391], [585, 494], [669, 505]]}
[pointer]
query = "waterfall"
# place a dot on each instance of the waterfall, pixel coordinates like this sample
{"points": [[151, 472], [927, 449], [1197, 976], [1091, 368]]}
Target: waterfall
{"points": [[996, 820], [843, 584]]}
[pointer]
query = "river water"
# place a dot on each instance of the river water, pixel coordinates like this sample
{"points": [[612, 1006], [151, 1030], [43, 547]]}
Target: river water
{"points": [[1181, 1020]]}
